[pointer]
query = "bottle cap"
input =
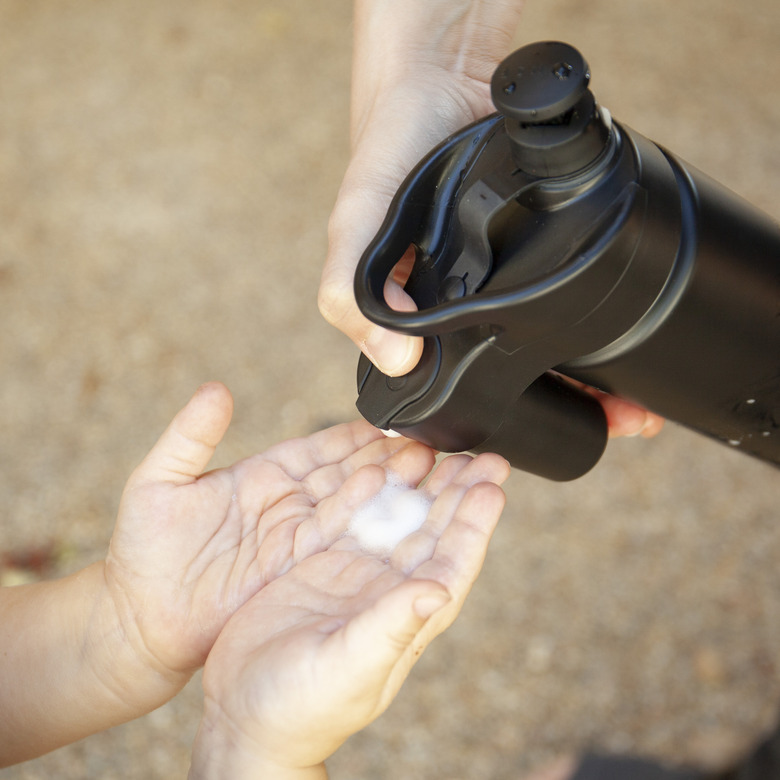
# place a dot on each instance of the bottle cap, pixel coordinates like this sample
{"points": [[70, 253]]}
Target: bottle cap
{"points": [[551, 117]]}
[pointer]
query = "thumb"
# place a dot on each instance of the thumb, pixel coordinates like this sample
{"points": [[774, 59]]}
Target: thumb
{"points": [[384, 635], [357, 215], [393, 353], [182, 453]]}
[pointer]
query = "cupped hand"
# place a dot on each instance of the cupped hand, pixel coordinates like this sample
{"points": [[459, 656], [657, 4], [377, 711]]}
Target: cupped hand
{"points": [[322, 650], [190, 548]]}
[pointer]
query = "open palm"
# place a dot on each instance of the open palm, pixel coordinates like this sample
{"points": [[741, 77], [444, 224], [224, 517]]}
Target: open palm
{"points": [[190, 548], [323, 649]]}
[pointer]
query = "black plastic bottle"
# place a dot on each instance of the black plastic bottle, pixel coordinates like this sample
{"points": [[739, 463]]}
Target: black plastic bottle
{"points": [[552, 241]]}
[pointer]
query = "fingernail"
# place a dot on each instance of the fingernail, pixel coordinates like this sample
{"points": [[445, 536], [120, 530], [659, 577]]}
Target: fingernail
{"points": [[639, 432], [390, 352], [425, 606]]}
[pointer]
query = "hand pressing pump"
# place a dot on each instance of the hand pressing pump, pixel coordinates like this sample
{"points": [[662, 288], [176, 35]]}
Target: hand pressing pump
{"points": [[553, 242]]}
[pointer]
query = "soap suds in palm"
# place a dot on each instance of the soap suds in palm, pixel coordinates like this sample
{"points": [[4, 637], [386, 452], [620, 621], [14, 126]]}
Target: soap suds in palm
{"points": [[391, 515]]}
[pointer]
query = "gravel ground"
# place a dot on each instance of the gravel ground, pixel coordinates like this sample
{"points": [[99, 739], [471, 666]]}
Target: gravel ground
{"points": [[166, 174]]}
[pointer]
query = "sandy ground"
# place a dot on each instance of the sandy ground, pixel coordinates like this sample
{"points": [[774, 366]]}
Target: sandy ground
{"points": [[166, 174]]}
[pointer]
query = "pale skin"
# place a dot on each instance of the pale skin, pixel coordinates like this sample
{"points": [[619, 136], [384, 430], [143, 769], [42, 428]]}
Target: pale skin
{"points": [[420, 72], [286, 685], [123, 636]]}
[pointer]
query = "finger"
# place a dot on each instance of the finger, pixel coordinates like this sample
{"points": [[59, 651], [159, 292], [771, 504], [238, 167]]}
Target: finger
{"points": [[447, 472], [487, 467], [448, 483], [382, 641], [392, 353], [462, 546], [331, 446], [410, 460], [461, 477], [410, 463], [624, 418], [182, 453], [335, 512], [627, 419], [652, 426], [468, 470], [356, 218]]}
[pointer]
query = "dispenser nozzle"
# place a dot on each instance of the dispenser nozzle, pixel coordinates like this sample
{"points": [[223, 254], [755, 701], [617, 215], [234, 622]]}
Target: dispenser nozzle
{"points": [[551, 116]]}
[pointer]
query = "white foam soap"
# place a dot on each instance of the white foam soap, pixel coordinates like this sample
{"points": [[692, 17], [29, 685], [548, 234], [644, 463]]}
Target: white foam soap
{"points": [[396, 511]]}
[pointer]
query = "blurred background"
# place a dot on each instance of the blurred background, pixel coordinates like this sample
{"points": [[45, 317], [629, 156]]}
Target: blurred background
{"points": [[166, 175]]}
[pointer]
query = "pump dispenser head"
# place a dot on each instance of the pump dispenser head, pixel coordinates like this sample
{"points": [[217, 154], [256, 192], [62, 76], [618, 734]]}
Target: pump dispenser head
{"points": [[551, 117]]}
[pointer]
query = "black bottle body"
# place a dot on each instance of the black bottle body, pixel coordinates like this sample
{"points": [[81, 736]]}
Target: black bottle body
{"points": [[554, 249], [707, 352]]}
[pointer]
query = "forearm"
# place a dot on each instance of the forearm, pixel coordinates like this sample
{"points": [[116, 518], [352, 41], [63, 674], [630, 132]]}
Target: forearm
{"points": [[68, 669], [222, 751]]}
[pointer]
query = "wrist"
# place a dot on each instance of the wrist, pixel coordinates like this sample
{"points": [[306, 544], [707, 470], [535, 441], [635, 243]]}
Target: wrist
{"points": [[222, 750], [120, 658], [68, 668], [457, 36], [438, 56]]}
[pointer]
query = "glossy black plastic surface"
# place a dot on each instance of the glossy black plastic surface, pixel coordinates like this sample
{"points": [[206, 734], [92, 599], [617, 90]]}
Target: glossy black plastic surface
{"points": [[573, 247]]}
